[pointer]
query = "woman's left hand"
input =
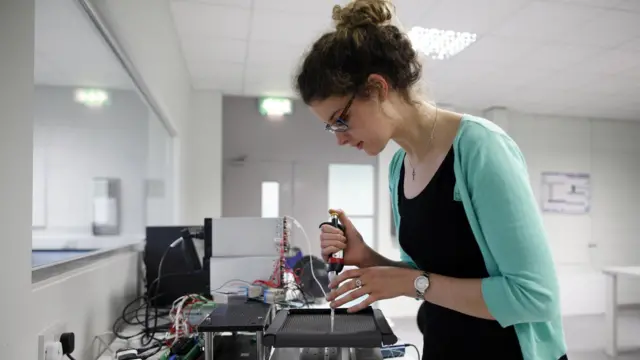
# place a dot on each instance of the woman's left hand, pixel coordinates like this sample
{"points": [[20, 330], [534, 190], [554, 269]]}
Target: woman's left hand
{"points": [[379, 283]]}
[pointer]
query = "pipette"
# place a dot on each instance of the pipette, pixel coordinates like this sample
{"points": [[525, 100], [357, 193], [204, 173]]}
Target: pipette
{"points": [[336, 261]]}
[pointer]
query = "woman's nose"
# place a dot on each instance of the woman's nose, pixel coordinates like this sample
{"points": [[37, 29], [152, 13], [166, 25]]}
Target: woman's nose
{"points": [[343, 138]]}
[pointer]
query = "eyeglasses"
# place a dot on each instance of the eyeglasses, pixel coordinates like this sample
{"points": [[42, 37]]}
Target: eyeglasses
{"points": [[340, 125]]}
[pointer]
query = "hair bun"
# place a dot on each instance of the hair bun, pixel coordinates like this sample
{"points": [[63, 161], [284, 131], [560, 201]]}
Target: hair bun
{"points": [[361, 13]]}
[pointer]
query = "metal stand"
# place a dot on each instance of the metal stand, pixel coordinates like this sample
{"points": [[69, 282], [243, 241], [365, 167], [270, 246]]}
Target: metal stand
{"points": [[326, 354], [260, 351], [345, 354], [208, 345]]}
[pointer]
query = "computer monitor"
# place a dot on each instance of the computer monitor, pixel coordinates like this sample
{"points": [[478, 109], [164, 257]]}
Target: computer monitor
{"points": [[182, 272]]}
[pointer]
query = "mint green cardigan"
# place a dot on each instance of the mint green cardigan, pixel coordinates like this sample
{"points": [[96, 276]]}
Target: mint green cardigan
{"points": [[492, 183]]}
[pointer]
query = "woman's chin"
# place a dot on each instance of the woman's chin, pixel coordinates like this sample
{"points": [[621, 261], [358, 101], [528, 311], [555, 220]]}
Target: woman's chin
{"points": [[371, 152]]}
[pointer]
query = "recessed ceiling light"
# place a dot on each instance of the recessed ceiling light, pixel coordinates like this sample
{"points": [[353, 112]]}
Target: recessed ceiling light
{"points": [[440, 44]]}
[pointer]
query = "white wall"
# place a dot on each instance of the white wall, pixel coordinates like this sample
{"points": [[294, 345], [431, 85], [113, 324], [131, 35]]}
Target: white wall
{"points": [[76, 144], [16, 134], [581, 244], [202, 158], [298, 137], [608, 150], [160, 172], [85, 301]]}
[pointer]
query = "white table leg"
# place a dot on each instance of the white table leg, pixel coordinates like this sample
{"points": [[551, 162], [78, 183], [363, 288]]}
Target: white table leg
{"points": [[611, 315]]}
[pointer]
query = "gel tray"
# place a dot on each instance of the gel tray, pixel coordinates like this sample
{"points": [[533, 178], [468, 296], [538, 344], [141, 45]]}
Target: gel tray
{"points": [[301, 328]]}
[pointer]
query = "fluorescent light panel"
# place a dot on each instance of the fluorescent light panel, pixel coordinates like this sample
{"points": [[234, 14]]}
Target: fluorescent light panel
{"points": [[440, 44]]}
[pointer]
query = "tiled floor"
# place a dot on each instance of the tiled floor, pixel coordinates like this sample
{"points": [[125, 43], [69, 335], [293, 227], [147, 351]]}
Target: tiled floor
{"points": [[585, 335]]}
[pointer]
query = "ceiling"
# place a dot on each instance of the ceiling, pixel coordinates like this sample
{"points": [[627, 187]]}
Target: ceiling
{"points": [[565, 57], [70, 52]]}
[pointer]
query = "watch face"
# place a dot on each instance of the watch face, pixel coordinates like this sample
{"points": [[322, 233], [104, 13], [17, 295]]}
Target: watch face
{"points": [[421, 283]]}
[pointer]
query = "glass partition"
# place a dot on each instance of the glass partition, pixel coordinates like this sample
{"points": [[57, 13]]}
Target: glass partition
{"points": [[102, 160]]}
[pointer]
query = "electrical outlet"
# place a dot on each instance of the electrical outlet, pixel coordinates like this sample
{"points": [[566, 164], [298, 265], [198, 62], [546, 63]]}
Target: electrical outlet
{"points": [[50, 334]]}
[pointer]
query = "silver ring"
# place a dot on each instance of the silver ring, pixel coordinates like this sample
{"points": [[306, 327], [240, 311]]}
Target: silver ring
{"points": [[358, 283]]}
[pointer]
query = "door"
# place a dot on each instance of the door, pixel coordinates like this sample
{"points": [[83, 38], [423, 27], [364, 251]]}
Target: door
{"points": [[256, 189]]}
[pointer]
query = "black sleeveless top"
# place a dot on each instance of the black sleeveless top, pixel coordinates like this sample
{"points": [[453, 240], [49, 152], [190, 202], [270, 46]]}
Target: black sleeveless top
{"points": [[435, 233]]}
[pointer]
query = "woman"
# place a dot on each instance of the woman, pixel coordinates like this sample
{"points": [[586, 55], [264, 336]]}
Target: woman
{"points": [[473, 243]]}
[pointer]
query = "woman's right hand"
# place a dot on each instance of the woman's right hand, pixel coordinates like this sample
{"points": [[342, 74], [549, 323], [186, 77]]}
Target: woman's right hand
{"points": [[350, 241]]}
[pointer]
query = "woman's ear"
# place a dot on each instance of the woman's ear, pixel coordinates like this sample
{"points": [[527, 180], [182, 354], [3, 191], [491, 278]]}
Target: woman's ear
{"points": [[377, 86]]}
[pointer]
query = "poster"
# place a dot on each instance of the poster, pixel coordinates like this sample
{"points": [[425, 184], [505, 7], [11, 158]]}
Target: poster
{"points": [[566, 193]]}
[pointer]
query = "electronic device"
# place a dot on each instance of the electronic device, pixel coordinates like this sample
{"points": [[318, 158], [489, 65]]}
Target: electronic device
{"points": [[336, 261], [248, 249], [246, 236], [183, 269]]}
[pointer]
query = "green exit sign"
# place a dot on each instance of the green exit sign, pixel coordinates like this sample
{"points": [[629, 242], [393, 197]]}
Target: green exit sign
{"points": [[271, 106]]}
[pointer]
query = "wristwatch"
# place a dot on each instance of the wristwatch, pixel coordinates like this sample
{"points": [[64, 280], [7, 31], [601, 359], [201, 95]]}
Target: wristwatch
{"points": [[421, 283]]}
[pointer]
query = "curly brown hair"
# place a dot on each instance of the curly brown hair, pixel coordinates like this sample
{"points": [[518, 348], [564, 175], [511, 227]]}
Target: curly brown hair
{"points": [[363, 43]]}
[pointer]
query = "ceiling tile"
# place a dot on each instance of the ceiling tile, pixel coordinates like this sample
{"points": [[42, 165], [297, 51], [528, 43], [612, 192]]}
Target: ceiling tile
{"points": [[459, 73], [610, 28], [228, 86], [493, 50], [609, 62], [605, 4], [205, 69], [633, 45], [631, 5], [269, 89], [521, 63], [410, 13], [196, 18], [544, 20], [318, 7], [566, 80], [621, 86], [275, 53], [265, 73], [550, 98], [469, 15], [269, 78], [214, 50], [557, 57], [272, 26], [236, 3], [514, 76], [219, 76], [632, 73]]}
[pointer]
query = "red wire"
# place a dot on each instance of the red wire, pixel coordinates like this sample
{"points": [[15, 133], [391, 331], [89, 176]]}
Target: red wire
{"points": [[275, 280]]}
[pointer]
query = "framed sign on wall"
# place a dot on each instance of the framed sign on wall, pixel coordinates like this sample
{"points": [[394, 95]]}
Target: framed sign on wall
{"points": [[566, 193]]}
